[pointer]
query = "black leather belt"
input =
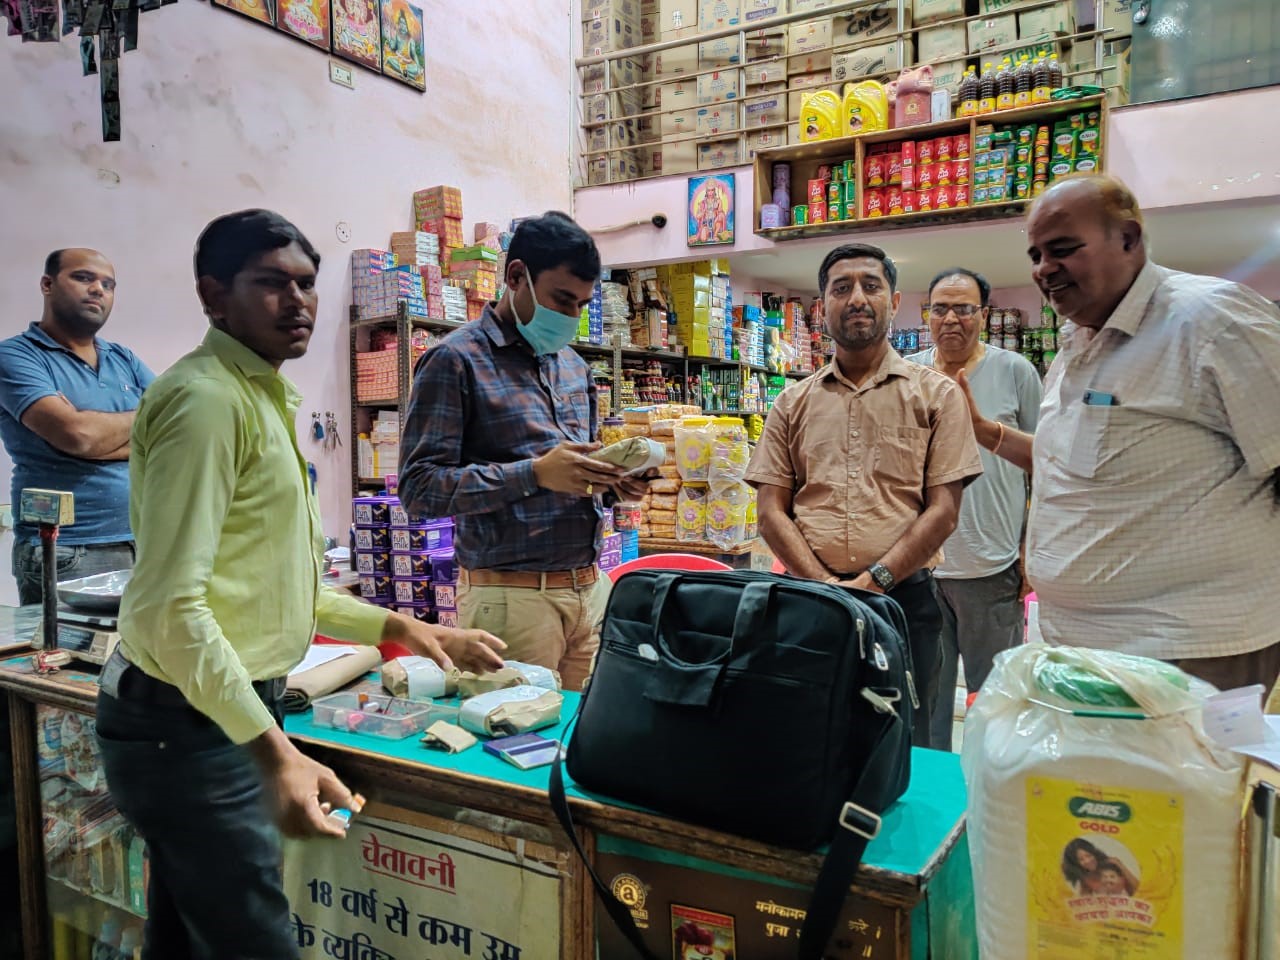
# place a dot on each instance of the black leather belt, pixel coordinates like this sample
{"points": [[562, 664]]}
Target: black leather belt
{"points": [[139, 687]]}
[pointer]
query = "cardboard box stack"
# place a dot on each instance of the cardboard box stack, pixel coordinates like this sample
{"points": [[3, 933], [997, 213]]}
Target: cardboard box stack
{"points": [[698, 294], [379, 449], [475, 270], [613, 26], [438, 210], [405, 562]]}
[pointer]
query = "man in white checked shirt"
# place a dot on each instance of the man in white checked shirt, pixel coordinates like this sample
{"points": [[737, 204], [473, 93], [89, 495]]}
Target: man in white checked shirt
{"points": [[1155, 509]]}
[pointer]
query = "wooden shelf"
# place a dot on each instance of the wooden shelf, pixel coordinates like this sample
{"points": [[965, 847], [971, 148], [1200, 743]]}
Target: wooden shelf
{"points": [[422, 323], [924, 218], [644, 353], [807, 157], [714, 362]]}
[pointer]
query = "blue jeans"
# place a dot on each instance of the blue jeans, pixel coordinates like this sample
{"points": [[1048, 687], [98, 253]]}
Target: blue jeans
{"points": [[74, 561], [197, 800]]}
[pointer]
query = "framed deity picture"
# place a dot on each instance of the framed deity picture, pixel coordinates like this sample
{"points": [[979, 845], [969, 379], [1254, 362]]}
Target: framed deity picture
{"points": [[356, 35], [711, 210], [305, 19], [403, 55], [264, 11]]}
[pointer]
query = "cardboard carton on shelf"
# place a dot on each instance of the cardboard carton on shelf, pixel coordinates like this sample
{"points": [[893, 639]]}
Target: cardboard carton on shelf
{"points": [[766, 45], [1030, 47], [719, 87], [806, 83], [681, 123], [722, 52], [677, 14], [872, 22], [930, 11], [766, 140], [1117, 17], [992, 32], [809, 46], [883, 58], [609, 36], [718, 119], [678, 60], [753, 11], [947, 76], [614, 168], [612, 106], [993, 7], [679, 97], [678, 158], [759, 74], [629, 10], [719, 14], [766, 110], [947, 42], [1059, 19], [622, 72], [720, 154]]}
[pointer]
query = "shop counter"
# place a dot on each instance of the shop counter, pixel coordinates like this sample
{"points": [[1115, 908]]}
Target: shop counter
{"points": [[460, 856]]}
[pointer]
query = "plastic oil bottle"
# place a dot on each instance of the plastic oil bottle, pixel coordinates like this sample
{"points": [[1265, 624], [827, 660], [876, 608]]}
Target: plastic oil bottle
{"points": [[1040, 89], [1004, 85], [987, 91], [969, 87], [1056, 78], [1022, 83]]}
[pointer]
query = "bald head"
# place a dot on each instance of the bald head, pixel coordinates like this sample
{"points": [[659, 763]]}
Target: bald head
{"points": [[79, 287], [1086, 244]]}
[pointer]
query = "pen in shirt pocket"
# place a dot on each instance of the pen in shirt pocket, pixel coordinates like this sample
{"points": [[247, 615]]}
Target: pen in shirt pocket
{"points": [[1096, 398]]}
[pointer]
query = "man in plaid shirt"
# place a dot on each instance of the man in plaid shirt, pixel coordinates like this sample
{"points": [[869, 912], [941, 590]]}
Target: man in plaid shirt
{"points": [[499, 428]]}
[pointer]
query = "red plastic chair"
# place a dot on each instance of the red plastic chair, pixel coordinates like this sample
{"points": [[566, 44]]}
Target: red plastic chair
{"points": [[668, 561]]}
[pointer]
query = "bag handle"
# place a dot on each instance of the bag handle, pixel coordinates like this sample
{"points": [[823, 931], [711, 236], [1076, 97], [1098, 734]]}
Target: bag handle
{"points": [[753, 610]]}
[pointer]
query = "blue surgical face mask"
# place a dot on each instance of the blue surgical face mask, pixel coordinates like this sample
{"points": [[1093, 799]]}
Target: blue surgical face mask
{"points": [[548, 331]]}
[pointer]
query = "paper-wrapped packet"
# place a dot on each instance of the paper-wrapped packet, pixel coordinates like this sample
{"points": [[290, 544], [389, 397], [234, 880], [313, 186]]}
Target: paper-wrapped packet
{"points": [[514, 710], [635, 454], [417, 678], [513, 674]]}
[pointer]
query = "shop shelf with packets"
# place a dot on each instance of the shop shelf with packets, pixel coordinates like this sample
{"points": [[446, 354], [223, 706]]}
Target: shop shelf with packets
{"points": [[369, 714]]}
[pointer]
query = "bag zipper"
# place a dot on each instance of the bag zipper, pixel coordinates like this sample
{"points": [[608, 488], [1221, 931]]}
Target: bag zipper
{"points": [[862, 639]]}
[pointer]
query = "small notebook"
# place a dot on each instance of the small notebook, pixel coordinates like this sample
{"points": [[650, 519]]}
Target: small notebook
{"points": [[525, 750]]}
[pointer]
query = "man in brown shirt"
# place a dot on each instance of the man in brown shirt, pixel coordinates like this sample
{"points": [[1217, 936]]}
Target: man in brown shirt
{"points": [[861, 467]]}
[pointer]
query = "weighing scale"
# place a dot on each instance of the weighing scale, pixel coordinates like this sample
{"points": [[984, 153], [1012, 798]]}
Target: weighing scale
{"points": [[87, 637]]}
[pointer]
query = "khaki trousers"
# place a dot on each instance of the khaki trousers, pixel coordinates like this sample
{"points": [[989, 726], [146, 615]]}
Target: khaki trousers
{"points": [[557, 628]]}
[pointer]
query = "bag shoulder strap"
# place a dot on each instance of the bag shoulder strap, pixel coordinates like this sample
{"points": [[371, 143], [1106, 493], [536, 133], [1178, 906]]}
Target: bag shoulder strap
{"points": [[858, 824], [617, 910]]}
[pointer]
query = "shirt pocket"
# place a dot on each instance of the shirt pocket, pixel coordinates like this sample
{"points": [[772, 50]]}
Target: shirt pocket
{"points": [[575, 416], [1102, 435], [901, 453]]}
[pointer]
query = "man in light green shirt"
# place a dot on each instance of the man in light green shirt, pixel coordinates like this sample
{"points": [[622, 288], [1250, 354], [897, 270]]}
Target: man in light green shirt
{"points": [[225, 599]]}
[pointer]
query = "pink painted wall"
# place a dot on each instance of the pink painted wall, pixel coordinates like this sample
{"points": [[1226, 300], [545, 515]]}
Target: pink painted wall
{"points": [[1207, 150], [221, 114]]}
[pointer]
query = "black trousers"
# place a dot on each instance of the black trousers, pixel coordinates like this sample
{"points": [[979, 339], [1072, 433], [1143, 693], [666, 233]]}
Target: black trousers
{"points": [[924, 630]]}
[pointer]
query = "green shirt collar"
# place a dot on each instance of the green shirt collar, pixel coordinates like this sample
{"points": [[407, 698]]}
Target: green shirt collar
{"points": [[235, 354]]}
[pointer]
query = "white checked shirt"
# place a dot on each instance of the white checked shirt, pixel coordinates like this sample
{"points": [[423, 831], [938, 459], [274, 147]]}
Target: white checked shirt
{"points": [[1154, 529]]}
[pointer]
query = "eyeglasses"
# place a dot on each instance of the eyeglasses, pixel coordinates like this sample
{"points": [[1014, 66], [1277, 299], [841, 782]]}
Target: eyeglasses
{"points": [[964, 311]]}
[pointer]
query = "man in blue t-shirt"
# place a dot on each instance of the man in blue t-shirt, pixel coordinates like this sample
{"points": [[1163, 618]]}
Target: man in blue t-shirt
{"points": [[67, 401]]}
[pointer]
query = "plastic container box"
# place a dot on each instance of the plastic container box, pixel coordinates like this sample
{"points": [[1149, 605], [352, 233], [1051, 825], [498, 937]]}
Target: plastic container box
{"points": [[394, 719]]}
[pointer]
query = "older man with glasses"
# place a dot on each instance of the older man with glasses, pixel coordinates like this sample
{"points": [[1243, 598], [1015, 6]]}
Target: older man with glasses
{"points": [[979, 581]]}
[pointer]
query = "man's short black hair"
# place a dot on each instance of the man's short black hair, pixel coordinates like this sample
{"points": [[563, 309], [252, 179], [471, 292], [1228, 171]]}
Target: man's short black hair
{"points": [[984, 288], [855, 251], [231, 241], [555, 240], [53, 263]]}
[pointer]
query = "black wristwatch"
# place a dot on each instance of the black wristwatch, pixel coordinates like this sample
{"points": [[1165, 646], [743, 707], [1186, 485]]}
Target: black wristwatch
{"points": [[883, 576]]}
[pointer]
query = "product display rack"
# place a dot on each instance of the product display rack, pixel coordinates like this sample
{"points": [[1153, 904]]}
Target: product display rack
{"points": [[361, 415], [805, 158]]}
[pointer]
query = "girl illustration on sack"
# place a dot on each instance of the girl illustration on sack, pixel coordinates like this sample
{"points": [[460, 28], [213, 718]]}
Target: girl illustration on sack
{"points": [[1090, 871]]}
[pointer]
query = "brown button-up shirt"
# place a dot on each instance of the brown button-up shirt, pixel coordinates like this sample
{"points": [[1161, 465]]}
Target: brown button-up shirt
{"points": [[859, 459]]}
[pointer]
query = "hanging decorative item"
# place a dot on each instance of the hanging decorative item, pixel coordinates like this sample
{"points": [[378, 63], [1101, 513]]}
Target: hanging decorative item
{"points": [[111, 21], [332, 435]]}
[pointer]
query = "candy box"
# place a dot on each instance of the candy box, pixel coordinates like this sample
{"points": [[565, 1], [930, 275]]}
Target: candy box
{"points": [[368, 564], [372, 511], [447, 618], [376, 587], [418, 611], [369, 539], [444, 568], [432, 535], [412, 590], [446, 595], [411, 565]]}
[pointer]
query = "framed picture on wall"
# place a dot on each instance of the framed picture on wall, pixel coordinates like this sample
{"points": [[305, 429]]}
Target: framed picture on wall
{"points": [[355, 33], [264, 11], [711, 210], [403, 55], [305, 19]]}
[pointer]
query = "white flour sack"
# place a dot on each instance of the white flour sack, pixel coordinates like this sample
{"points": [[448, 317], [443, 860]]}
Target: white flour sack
{"points": [[1104, 823]]}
